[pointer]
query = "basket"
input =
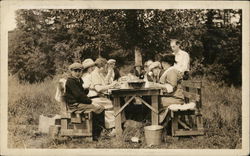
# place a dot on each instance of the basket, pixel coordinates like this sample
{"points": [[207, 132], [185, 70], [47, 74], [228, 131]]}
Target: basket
{"points": [[136, 84]]}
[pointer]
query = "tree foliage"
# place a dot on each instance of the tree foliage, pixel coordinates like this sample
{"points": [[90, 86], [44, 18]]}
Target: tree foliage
{"points": [[46, 41]]}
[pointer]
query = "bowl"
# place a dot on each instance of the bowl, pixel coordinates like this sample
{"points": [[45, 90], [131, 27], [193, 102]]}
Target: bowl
{"points": [[136, 84]]}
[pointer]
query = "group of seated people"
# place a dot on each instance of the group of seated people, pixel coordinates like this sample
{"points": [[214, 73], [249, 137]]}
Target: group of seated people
{"points": [[87, 86]]}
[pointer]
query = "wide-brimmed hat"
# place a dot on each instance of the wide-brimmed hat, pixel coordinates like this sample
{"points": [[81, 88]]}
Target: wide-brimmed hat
{"points": [[111, 61], [75, 66], [154, 65], [88, 63]]}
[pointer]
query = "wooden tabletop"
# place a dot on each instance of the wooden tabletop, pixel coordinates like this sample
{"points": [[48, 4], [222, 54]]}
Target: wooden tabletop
{"points": [[131, 92]]}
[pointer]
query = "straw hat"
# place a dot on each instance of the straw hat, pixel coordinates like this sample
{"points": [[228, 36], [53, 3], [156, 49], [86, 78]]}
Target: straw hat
{"points": [[88, 63], [154, 65], [75, 66]]}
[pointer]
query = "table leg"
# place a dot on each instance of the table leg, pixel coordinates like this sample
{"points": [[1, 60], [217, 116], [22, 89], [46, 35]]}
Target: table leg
{"points": [[118, 122], [155, 116]]}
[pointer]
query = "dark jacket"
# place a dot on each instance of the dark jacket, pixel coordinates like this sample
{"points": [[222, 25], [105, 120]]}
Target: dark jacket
{"points": [[75, 92]]}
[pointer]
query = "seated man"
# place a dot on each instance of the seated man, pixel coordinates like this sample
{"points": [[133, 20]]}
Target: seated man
{"points": [[76, 97], [101, 89]]}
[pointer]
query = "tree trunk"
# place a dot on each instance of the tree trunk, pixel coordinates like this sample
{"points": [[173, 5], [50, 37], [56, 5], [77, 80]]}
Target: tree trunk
{"points": [[138, 57]]}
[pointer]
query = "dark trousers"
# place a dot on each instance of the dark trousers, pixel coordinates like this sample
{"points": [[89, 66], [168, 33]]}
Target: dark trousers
{"points": [[98, 124]]}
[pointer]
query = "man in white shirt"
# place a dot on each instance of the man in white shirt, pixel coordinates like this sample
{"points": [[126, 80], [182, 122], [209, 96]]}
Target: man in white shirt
{"points": [[181, 57]]}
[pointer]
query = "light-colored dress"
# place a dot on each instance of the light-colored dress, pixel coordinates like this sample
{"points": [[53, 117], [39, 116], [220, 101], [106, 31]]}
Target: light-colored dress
{"points": [[170, 78]]}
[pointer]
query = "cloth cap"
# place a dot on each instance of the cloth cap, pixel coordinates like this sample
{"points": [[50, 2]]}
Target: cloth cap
{"points": [[88, 63], [154, 65], [75, 66], [111, 61]]}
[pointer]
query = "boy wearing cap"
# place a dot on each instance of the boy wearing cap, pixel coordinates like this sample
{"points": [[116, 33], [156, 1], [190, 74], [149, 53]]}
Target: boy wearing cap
{"points": [[76, 98]]}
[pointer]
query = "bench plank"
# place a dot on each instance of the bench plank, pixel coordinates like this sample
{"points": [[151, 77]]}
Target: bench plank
{"points": [[190, 95], [191, 84]]}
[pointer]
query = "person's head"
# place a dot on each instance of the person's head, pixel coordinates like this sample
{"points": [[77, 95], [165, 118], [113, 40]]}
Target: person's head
{"points": [[76, 70], [100, 62], [175, 45], [155, 68], [88, 65], [167, 61], [111, 63], [147, 64]]}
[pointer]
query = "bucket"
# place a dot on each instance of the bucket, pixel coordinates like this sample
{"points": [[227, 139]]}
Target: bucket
{"points": [[153, 134]]}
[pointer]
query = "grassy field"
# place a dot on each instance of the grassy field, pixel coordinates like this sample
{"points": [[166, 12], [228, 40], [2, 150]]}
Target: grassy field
{"points": [[221, 113]]}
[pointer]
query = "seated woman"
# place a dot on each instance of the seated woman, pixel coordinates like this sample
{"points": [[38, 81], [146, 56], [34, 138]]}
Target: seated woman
{"points": [[167, 80], [88, 68], [77, 99], [113, 73], [146, 69], [156, 71]]}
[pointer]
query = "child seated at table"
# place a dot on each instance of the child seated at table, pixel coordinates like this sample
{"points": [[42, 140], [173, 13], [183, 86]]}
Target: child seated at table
{"points": [[76, 98]]}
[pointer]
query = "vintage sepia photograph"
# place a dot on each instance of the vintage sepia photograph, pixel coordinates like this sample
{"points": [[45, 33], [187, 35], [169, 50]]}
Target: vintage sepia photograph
{"points": [[150, 77]]}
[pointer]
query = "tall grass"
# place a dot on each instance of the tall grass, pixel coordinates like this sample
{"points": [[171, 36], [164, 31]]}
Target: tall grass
{"points": [[222, 114], [28, 101]]}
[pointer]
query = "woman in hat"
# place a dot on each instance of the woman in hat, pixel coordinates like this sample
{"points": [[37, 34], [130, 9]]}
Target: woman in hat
{"points": [[146, 69], [88, 68], [156, 70], [113, 73]]}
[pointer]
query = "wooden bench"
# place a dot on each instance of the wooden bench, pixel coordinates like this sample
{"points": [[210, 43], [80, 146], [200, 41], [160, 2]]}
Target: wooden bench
{"points": [[188, 122], [75, 123]]}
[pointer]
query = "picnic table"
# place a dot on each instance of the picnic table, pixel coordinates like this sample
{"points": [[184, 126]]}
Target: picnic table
{"points": [[132, 94]]}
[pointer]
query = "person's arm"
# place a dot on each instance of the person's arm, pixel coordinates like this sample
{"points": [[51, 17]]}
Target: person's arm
{"points": [[168, 87], [108, 78], [103, 88], [77, 92], [86, 82]]}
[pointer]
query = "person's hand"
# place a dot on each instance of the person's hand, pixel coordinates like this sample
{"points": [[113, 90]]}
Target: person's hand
{"points": [[113, 84]]}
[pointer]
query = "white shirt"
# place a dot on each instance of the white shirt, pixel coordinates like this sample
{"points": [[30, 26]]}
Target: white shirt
{"points": [[88, 84], [183, 60]]}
